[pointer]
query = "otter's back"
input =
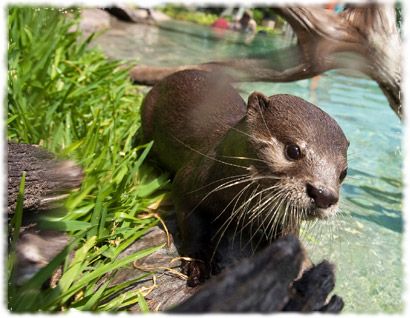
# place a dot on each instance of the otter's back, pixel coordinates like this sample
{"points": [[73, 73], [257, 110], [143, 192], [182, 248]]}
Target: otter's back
{"points": [[187, 113]]}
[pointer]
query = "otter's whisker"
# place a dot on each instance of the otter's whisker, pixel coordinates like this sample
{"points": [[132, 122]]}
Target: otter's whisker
{"points": [[275, 217], [245, 158], [253, 213], [242, 214], [257, 194], [262, 224], [205, 155], [227, 222], [239, 176], [261, 209], [225, 185]]}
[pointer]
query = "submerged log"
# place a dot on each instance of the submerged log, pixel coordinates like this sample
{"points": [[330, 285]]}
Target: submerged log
{"points": [[363, 38]]}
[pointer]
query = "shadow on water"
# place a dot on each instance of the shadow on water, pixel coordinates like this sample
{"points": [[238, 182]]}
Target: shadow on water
{"points": [[378, 205], [392, 223], [386, 196]]}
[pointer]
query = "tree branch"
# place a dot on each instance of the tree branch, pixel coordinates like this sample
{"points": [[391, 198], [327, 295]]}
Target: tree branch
{"points": [[361, 38]]}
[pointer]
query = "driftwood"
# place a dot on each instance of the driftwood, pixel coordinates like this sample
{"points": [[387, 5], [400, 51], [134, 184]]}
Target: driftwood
{"points": [[363, 38], [261, 284], [266, 282], [47, 179]]}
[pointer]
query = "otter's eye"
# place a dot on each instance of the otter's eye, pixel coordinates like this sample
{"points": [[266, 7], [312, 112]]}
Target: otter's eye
{"points": [[293, 152], [343, 175]]}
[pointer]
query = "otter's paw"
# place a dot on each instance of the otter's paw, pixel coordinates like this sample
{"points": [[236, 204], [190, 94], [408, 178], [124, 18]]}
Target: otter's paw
{"points": [[197, 272]]}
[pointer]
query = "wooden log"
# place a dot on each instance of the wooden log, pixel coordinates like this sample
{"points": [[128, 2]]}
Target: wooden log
{"points": [[257, 284], [310, 292], [363, 38], [261, 284], [48, 179]]}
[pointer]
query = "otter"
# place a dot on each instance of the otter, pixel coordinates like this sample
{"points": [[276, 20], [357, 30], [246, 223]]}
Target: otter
{"points": [[244, 174]]}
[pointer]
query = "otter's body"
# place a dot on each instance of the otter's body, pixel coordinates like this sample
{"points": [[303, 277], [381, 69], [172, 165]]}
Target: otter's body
{"points": [[192, 109], [243, 174]]}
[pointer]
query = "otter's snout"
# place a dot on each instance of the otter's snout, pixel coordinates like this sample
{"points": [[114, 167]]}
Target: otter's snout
{"points": [[324, 198]]}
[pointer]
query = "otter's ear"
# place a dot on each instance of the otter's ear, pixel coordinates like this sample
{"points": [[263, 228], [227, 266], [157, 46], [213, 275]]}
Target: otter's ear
{"points": [[257, 102]]}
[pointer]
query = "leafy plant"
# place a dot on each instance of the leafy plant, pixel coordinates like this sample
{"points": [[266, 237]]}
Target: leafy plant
{"points": [[182, 13], [71, 100]]}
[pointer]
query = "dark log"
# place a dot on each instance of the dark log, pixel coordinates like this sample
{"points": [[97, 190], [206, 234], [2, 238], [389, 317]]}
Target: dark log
{"points": [[361, 38], [47, 179], [261, 284], [258, 284], [311, 291], [120, 13]]}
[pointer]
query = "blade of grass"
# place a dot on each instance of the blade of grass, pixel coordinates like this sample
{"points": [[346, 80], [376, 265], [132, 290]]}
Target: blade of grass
{"points": [[15, 225], [78, 263], [98, 272], [142, 303]]}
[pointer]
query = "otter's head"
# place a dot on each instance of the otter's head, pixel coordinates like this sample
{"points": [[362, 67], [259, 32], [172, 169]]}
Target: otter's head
{"points": [[304, 154]]}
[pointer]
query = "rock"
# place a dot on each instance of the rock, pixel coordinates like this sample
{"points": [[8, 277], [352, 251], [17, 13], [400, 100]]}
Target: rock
{"points": [[94, 20], [140, 15]]}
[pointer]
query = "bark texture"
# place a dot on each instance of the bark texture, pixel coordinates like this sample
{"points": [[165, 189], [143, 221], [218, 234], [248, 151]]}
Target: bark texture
{"points": [[47, 179], [261, 284]]}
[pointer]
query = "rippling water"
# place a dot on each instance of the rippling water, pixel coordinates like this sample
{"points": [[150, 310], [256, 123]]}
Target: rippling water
{"points": [[365, 240]]}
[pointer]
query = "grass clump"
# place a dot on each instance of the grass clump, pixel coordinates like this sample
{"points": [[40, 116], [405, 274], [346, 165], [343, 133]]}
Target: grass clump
{"points": [[179, 12], [182, 13], [72, 101]]}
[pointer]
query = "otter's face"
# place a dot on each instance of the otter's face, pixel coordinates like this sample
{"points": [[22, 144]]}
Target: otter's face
{"points": [[304, 152]]}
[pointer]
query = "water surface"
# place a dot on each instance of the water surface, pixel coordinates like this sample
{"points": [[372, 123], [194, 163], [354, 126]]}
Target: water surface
{"points": [[365, 240]]}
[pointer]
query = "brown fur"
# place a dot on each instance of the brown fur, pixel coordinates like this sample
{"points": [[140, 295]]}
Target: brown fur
{"points": [[205, 134]]}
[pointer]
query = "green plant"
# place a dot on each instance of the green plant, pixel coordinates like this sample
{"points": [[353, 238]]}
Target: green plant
{"points": [[77, 104], [182, 13]]}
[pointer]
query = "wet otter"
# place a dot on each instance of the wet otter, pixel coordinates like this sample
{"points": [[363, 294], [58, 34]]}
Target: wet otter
{"points": [[244, 174]]}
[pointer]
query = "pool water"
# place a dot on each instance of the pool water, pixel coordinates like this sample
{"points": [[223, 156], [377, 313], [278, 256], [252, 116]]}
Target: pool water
{"points": [[365, 240]]}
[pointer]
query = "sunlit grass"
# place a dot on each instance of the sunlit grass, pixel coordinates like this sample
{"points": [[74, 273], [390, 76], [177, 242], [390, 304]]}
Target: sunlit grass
{"points": [[75, 103]]}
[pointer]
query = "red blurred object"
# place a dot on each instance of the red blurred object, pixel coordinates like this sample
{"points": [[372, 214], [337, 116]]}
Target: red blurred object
{"points": [[221, 23]]}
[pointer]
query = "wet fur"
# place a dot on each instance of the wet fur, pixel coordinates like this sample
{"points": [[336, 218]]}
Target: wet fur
{"points": [[234, 189]]}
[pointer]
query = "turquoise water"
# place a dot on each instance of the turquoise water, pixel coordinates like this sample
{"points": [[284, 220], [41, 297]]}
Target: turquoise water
{"points": [[364, 241]]}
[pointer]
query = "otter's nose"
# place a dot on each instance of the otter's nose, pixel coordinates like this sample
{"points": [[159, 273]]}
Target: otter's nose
{"points": [[323, 197]]}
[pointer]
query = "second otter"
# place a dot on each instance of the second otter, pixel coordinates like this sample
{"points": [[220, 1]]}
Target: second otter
{"points": [[244, 174]]}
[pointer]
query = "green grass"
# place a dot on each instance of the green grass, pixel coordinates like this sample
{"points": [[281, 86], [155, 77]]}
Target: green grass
{"points": [[72, 101], [181, 13]]}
